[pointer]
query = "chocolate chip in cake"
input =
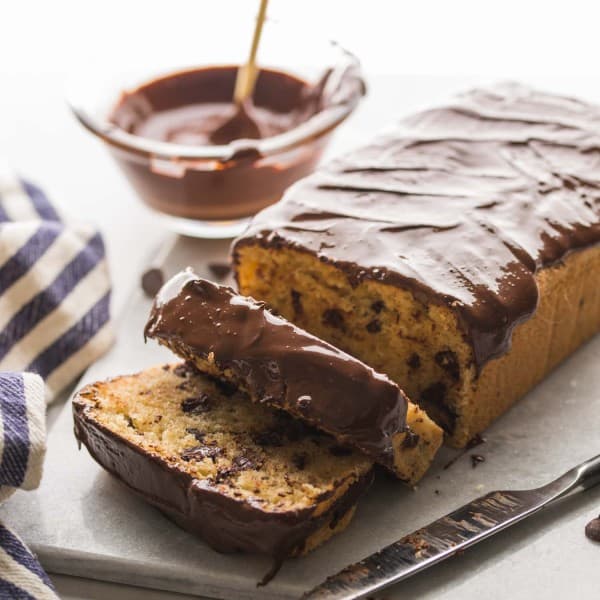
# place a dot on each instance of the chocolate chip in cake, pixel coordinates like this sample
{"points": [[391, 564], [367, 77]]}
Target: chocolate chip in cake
{"points": [[592, 530], [300, 460], [414, 361], [130, 422], [219, 270], [226, 388], [340, 450], [273, 371], [268, 438], [182, 370], [303, 402], [378, 306], [333, 317], [199, 435], [201, 452], [449, 362], [158, 418], [239, 463], [292, 429], [374, 326], [297, 303], [476, 459], [411, 440], [196, 404]]}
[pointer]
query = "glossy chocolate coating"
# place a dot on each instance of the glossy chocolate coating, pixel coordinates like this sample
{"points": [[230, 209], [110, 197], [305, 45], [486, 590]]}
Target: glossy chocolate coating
{"points": [[195, 108], [280, 364], [225, 523], [190, 106], [462, 205]]}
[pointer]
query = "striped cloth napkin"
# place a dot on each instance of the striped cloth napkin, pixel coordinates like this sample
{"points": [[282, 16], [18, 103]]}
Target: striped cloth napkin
{"points": [[54, 321]]}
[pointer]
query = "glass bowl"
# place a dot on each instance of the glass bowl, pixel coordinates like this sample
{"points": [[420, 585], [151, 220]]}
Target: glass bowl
{"points": [[212, 191]]}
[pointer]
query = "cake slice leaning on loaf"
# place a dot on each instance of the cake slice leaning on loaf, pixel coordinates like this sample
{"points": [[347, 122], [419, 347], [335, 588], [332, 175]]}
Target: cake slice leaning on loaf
{"points": [[458, 252], [243, 477], [239, 340]]}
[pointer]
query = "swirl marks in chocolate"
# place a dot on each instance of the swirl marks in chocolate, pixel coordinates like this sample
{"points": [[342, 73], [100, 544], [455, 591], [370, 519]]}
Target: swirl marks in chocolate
{"points": [[461, 204], [280, 364]]}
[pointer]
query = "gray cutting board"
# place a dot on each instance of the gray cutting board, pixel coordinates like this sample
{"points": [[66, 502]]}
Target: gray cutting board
{"points": [[81, 522]]}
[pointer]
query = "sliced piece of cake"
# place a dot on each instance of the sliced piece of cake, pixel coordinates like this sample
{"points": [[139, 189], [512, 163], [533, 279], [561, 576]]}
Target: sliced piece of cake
{"points": [[458, 253], [239, 340], [243, 477]]}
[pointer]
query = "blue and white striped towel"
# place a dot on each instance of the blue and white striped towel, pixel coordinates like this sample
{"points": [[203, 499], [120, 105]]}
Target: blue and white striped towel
{"points": [[54, 321]]}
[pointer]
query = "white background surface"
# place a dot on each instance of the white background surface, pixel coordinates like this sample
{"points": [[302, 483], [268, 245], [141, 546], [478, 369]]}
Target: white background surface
{"points": [[554, 44]]}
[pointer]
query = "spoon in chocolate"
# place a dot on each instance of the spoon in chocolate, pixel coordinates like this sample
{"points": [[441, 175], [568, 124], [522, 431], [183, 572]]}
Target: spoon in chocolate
{"points": [[241, 125]]}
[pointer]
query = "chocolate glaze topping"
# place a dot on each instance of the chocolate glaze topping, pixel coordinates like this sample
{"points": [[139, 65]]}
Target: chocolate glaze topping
{"points": [[225, 523], [461, 204], [280, 364]]}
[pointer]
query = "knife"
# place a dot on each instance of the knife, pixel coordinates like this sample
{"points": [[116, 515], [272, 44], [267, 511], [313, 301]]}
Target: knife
{"points": [[451, 534]]}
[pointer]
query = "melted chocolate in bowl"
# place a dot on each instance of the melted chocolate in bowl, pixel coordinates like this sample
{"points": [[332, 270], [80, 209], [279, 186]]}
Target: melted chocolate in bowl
{"points": [[195, 108]]}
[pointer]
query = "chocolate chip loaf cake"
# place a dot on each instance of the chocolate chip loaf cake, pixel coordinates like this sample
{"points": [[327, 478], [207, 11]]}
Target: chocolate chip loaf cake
{"points": [[457, 253], [237, 339], [244, 477]]}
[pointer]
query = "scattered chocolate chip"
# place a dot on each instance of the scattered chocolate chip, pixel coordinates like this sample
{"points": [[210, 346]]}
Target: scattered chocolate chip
{"points": [[410, 440], [268, 438], [592, 530], [158, 418], [299, 460], [378, 306], [340, 450], [199, 435], [414, 361], [130, 422], [449, 362], [200, 452], [166, 367], [374, 326], [152, 280], [333, 317], [219, 270], [196, 404], [297, 302], [476, 459]]}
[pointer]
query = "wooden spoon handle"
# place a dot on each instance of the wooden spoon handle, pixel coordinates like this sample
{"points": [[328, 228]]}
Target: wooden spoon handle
{"points": [[246, 75]]}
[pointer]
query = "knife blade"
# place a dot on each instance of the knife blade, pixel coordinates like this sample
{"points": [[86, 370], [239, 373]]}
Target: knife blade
{"points": [[451, 534]]}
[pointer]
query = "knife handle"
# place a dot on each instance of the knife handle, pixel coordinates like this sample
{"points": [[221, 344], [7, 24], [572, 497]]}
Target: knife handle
{"points": [[579, 478], [589, 472]]}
